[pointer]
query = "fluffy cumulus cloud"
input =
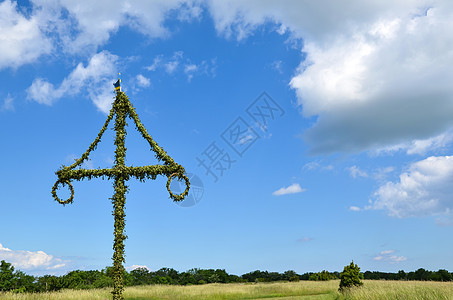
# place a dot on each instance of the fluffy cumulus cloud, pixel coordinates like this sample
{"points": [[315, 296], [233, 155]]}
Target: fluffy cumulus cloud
{"points": [[421, 146], [387, 83], [22, 39], [80, 26], [292, 189], [357, 172], [389, 256], [29, 260], [425, 189], [311, 20], [354, 208], [88, 24], [95, 77], [376, 73], [133, 267], [178, 62], [142, 81], [8, 103]]}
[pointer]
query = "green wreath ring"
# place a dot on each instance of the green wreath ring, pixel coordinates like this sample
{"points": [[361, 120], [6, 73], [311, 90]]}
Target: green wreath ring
{"points": [[54, 191], [183, 194]]}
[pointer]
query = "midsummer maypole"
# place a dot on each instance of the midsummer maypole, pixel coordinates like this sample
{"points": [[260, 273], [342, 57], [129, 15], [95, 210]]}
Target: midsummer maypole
{"points": [[121, 109]]}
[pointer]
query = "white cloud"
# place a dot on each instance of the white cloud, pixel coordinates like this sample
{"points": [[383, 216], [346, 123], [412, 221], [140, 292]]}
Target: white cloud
{"points": [[377, 88], [29, 260], [292, 189], [205, 67], [354, 208], [81, 26], [314, 165], [189, 10], [133, 267], [8, 104], [378, 174], [246, 139], [171, 65], [97, 21], [328, 168], [282, 29], [382, 173], [43, 92], [421, 146], [178, 62], [21, 38], [156, 63], [388, 256], [425, 189], [143, 81], [356, 172], [311, 20], [189, 70], [96, 79], [277, 66], [377, 72]]}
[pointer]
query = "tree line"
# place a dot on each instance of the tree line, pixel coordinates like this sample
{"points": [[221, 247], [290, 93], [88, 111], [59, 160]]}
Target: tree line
{"points": [[420, 274], [18, 281]]}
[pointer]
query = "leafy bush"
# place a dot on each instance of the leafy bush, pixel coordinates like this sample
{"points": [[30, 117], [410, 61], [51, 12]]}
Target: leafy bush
{"points": [[350, 276], [322, 276]]}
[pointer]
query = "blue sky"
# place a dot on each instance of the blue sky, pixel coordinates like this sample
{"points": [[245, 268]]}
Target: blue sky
{"points": [[329, 129]]}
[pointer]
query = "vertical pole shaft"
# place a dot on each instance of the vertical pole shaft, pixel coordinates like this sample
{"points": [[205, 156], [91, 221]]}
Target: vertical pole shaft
{"points": [[119, 198]]}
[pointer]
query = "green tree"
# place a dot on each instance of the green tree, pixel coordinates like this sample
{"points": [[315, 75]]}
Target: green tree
{"points": [[6, 276], [441, 275], [322, 276], [49, 283], [350, 276], [289, 274], [23, 282], [314, 277], [402, 275], [186, 278], [141, 276], [420, 274], [444, 275]]}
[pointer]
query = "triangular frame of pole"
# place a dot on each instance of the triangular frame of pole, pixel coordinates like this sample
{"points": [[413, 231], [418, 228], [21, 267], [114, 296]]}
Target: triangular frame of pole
{"points": [[121, 109]]}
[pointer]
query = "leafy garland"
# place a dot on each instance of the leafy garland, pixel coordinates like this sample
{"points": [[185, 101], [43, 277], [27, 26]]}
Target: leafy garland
{"points": [[122, 108]]}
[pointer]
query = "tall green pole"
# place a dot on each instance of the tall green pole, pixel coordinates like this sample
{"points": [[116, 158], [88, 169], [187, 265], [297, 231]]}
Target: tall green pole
{"points": [[119, 198]]}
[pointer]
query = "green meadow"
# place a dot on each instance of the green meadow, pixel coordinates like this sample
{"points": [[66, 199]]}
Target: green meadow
{"points": [[323, 290]]}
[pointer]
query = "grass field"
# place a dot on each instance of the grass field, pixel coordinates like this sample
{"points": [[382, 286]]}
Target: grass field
{"points": [[306, 290]]}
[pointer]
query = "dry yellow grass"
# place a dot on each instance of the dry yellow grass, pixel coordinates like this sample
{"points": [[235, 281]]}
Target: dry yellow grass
{"points": [[275, 290], [234, 291], [402, 290], [305, 290]]}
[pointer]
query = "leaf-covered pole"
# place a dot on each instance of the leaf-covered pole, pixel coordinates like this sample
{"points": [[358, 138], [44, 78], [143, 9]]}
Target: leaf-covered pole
{"points": [[119, 198], [122, 108]]}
